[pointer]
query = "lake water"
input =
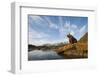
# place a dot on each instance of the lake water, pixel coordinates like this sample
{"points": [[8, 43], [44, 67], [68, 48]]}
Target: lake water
{"points": [[43, 55]]}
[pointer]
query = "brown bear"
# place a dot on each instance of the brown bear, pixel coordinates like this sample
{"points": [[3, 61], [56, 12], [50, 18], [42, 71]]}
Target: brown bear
{"points": [[72, 39]]}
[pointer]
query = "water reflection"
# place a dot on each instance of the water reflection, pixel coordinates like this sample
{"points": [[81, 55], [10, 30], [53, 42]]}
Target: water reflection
{"points": [[43, 55]]}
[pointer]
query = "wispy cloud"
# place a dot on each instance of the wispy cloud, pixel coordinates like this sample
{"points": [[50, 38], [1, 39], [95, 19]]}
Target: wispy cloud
{"points": [[83, 30], [48, 31], [37, 19], [36, 37], [60, 21], [50, 23], [68, 28], [54, 26], [63, 28]]}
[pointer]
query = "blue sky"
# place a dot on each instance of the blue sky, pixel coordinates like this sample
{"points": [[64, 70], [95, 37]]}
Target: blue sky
{"points": [[53, 29]]}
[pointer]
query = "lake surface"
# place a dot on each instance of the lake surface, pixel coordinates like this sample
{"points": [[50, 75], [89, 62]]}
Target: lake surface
{"points": [[43, 55]]}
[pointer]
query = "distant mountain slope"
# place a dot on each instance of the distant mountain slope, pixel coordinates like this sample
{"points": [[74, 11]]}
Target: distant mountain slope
{"points": [[84, 38]]}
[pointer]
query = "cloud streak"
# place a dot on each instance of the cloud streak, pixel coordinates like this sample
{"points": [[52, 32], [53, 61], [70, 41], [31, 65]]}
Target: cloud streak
{"points": [[45, 30]]}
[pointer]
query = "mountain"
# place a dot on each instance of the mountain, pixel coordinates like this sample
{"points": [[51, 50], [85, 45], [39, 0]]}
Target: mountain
{"points": [[84, 38], [31, 47], [45, 47]]}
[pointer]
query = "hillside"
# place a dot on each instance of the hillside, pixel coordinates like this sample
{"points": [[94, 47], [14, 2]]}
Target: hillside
{"points": [[84, 38], [77, 50]]}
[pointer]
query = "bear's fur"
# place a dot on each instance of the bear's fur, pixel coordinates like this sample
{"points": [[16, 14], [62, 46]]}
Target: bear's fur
{"points": [[72, 39]]}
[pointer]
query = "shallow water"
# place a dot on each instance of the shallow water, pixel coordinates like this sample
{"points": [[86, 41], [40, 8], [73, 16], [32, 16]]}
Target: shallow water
{"points": [[43, 55]]}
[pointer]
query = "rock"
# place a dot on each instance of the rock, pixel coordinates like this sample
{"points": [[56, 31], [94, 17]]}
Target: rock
{"points": [[76, 50]]}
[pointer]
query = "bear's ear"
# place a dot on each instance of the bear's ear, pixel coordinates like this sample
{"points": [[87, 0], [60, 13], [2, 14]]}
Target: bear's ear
{"points": [[68, 35]]}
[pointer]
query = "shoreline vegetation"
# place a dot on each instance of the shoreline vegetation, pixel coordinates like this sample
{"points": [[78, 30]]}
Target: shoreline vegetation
{"points": [[67, 50]]}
